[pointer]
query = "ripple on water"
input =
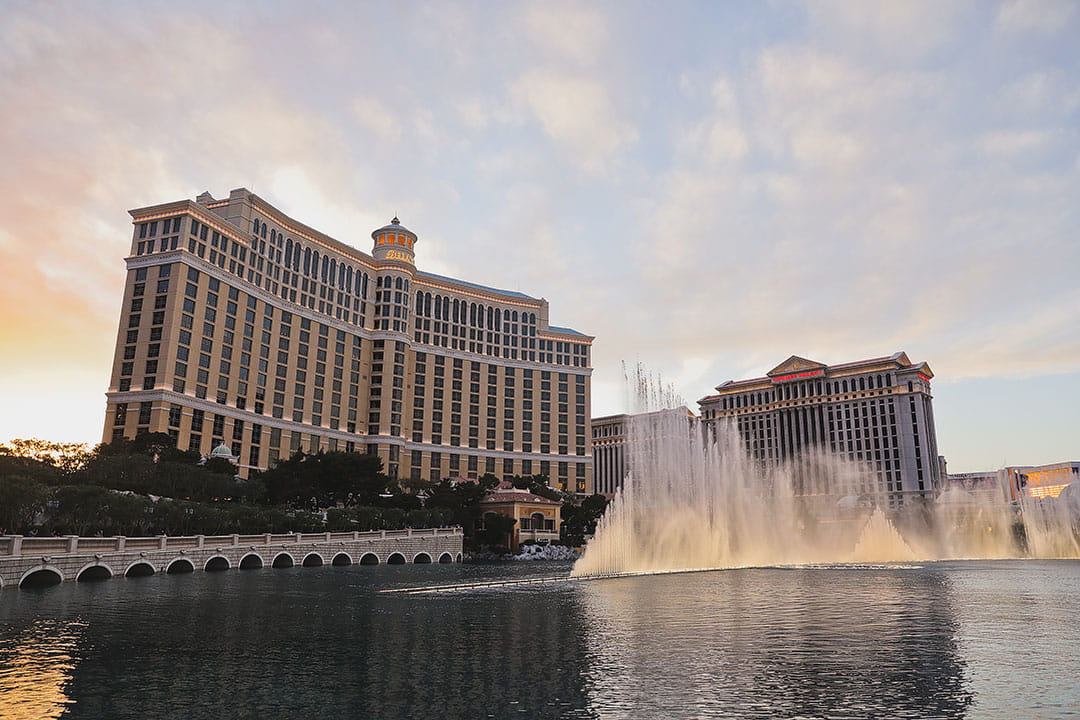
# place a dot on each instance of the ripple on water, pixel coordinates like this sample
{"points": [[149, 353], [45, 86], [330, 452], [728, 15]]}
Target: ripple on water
{"points": [[36, 665], [944, 641]]}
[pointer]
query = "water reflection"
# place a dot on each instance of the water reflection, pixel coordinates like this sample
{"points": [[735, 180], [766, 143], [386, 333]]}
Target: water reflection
{"points": [[986, 640], [36, 664], [775, 643]]}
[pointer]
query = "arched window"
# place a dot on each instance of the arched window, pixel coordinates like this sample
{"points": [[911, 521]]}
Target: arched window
{"points": [[288, 252], [457, 308], [397, 282], [325, 270], [845, 386], [419, 309], [438, 307], [273, 235], [427, 304], [307, 261], [498, 319], [315, 265], [363, 288], [332, 279]]}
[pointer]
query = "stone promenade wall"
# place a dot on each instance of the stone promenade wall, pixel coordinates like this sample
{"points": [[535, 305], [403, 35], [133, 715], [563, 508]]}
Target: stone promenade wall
{"points": [[48, 560]]}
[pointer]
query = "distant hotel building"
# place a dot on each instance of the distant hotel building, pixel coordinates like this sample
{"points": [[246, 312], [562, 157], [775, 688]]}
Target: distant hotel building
{"points": [[609, 435], [1041, 481], [610, 439], [244, 327], [877, 412]]}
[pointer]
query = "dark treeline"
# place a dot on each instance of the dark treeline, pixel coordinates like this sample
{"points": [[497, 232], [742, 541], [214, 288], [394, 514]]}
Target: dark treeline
{"points": [[147, 486]]}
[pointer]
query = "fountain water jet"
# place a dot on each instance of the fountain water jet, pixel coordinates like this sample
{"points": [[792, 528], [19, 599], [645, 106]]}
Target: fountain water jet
{"points": [[694, 499]]}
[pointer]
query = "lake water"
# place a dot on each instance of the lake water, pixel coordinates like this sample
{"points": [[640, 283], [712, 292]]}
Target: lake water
{"points": [[987, 639]]}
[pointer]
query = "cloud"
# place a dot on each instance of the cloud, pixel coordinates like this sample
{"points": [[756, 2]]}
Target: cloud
{"points": [[577, 113], [568, 31], [375, 117], [896, 32], [1012, 143], [1035, 16], [707, 191]]}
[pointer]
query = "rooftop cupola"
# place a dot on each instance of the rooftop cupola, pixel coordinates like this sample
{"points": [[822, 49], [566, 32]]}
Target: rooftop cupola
{"points": [[394, 242]]}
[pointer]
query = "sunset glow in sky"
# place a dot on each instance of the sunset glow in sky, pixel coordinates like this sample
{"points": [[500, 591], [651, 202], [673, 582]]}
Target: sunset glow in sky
{"points": [[707, 187]]}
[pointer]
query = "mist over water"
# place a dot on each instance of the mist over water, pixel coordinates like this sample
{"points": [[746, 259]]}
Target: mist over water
{"points": [[693, 498]]}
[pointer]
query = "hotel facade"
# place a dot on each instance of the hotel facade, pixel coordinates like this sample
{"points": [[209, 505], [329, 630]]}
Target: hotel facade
{"points": [[875, 412], [609, 442], [243, 327]]}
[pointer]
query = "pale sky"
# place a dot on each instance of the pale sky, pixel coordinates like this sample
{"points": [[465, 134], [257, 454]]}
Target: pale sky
{"points": [[707, 187]]}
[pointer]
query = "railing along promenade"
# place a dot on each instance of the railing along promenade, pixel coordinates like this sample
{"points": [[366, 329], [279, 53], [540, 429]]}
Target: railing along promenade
{"points": [[27, 561]]}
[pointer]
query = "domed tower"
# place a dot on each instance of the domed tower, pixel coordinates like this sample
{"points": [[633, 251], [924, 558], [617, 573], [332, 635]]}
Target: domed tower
{"points": [[394, 255], [394, 242]]}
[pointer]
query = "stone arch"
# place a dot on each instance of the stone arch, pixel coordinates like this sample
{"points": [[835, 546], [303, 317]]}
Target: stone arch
{"points": [[283, 560], [180, 565], [459, 557], [41, 577], [446, 559], [94, 571], [216, 563], [139, 568], [369, 559], [251, 561], [395, 559], [313, 559], [421, 558], [342, 559]]}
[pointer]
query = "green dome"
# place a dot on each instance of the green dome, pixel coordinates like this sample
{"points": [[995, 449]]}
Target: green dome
{"points": [[222, 451]]}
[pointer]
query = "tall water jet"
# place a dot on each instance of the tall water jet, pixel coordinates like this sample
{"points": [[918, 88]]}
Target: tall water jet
{"points": [[880, 541], [694, 498]]}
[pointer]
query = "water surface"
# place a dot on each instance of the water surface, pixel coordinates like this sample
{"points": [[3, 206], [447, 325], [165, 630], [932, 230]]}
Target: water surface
{"points": [[941, 640]]}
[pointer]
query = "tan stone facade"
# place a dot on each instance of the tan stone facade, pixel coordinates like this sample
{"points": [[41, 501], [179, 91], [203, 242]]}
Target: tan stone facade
{"points": [[609, 437], [535, 518], [876, 412], [242, 326]]}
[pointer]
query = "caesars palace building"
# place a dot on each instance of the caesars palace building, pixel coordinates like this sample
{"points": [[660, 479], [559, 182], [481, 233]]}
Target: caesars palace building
{"points": [[875, 412], [242, 327]]}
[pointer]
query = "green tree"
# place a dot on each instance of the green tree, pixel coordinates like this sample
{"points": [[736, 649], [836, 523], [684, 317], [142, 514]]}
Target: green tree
{"points": [[537, 485], [327, 477], [81, 509], [495, 535], [579, 520], [22, 499], [65, 457], [461, 500]]}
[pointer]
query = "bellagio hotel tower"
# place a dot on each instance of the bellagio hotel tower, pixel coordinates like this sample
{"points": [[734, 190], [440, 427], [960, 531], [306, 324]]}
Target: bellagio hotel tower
{"points": [[243, 327]]}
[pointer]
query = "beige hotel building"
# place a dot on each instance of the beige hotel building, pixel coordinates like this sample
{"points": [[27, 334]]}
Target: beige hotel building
{"points": [[878, 413], [241, 326]]}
